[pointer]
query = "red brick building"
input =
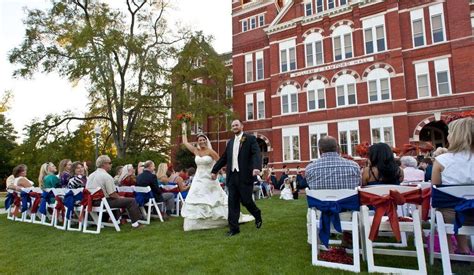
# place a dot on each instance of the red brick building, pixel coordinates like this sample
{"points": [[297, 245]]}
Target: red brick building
{"points": [[358, 70]]}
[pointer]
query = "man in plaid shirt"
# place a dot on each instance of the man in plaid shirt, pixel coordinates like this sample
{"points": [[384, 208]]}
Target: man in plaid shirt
{"points": [[331, 171]]}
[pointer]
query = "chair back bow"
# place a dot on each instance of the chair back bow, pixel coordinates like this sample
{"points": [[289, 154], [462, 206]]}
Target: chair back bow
{"points": [[387, 205], [70, 200], [59, 206], [45, 199], [36, 201], [25, 201], [330, 214], [88, 199], [10, 199], [142, 198], [461, 206]]}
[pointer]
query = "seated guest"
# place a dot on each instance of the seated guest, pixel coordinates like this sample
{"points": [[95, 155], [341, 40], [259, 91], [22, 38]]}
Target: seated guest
{"points": [[183, 173], [148, 178], [118, 172], [456, 167], [47, 178], [381, 167], [426, 165], [284, 175], [191, 172], [140, 167], [410, 171], [65, 171], [174, 178], [101, 178], [161, 173], [287, 190], [78, 176], [127, 176], [331, 171], [20, 180]]}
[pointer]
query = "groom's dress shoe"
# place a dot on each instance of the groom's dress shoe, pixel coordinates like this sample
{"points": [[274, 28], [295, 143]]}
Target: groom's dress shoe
{"points": [[232, 233], [258, 223]]}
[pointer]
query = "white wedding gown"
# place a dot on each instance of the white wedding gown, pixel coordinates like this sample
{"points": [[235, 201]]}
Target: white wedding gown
{"points": [[206, 203]]}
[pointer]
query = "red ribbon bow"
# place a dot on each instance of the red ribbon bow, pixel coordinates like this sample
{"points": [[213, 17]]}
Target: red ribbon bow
{"points": [[17, 203], [36, 201], [387, 205], [425, 204], [59, 206], [88, 199]]}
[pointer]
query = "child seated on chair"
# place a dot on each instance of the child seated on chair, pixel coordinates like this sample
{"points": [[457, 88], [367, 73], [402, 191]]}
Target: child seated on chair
{"points": [[287, 190]]}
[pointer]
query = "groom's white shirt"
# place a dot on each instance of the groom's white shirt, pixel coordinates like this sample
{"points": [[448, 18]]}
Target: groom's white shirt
{"points": [[235, 152]]}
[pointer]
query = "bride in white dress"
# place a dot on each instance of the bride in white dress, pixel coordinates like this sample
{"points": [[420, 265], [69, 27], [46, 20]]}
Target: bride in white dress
{"points": [[205, 206]]}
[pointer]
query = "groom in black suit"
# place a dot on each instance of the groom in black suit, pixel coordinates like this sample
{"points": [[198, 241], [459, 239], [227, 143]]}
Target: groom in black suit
{"points": [[242, 157]]}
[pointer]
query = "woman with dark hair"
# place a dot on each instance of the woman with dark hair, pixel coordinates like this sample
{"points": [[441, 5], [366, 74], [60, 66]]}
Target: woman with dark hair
{"points": [[78, 176], [381, 168]]}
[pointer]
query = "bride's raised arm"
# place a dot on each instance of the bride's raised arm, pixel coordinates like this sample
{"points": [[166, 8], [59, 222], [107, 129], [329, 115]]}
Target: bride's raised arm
{"points": [[188, 145]]}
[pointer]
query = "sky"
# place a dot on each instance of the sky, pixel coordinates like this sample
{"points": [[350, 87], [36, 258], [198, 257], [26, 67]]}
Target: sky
{"points": [[48, 93]]}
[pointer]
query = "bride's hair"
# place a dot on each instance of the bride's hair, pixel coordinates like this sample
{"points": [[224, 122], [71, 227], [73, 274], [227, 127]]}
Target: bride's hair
{"points": [[207, 139]]}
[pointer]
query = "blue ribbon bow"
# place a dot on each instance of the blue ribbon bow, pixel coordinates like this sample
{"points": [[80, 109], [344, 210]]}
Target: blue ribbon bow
{"points": [[440, 199], [330, 214], [142, 198], [45, 198], [25, 201], [69, 201], [9, 200]]}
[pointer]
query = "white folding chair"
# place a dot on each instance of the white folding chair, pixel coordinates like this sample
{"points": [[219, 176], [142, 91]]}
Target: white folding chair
{"points": [[178, 199], [97, 213], [76, 209], [49, 206], [149, 206], [26, 215], [353, 225], [411, 226], [59, 215], [11, 208], [35, 195], [438, 223]]}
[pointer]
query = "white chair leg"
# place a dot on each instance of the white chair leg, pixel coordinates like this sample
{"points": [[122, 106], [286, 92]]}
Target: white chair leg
{"points": [[368, 243], [112, 217], [355, 241], [314, 237], [158, 211], [432, 234], [419, 242], [443, 243]]}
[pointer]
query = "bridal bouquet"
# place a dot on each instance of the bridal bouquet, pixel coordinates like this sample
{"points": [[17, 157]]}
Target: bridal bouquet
{"points": [[184, 117]]}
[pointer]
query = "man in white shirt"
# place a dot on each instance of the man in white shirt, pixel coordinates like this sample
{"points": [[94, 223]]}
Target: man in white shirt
{"points": [[101, 178]]}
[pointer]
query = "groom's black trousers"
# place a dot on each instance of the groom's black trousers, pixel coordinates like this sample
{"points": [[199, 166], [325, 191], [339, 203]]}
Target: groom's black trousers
{"points": [[240, 191]]}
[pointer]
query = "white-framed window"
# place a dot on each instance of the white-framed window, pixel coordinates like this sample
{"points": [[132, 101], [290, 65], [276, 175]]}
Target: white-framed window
{"points": [[378, 82], [316, 95], [196, 128], [331, 4], [437, 23], [319, 6], [381, 130], [316, 132], [418, 27], [249, 107], [245, 25], [248, 68], [342, 42], [289, 99], [259, 65], [308, 7], [342, 2], [422, 80], [260, 105], [348, 136], [314, 50], [253, 23], [291, 144], [346, 93], [261, 20], [287, 56], [443, 80], [374, 34]]}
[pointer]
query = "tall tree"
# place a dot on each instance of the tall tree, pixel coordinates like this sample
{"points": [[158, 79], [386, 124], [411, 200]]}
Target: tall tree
{"points": [[199, 81], [7, 139], [122, 55]]}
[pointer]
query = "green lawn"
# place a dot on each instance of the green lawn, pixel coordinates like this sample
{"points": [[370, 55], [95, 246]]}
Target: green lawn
{"points": [[279, 247]]}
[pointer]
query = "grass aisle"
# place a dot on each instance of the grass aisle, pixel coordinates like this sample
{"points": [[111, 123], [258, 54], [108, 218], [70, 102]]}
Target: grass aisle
{"points": [[279, 247]]}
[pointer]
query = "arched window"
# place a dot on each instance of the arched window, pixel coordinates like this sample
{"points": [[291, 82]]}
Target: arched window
{"points": [[342, 42], [316, 95], [314, 49], [378, 83], [289, 99], [346, 90]]}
